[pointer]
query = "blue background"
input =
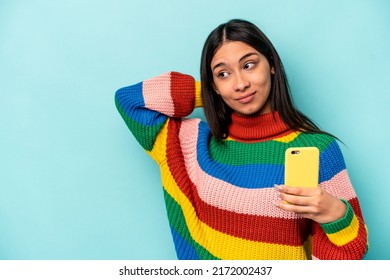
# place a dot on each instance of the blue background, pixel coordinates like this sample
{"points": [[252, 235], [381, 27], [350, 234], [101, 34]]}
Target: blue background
{"points": [[74, 184]]}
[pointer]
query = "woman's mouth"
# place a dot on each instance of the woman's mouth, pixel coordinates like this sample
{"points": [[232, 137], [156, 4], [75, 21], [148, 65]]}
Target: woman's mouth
{"points": [[246, 98]]}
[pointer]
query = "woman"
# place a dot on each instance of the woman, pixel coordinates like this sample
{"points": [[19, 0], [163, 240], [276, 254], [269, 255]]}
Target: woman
{"points": [[223, 180]]}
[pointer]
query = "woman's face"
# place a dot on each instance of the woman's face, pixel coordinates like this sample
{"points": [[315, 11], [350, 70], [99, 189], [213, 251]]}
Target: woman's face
{"points": [[242, 77]]}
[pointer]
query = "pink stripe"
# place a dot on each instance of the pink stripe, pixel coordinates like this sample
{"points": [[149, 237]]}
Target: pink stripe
{"points": [[339, 186], [240, 200], [156, 92]]}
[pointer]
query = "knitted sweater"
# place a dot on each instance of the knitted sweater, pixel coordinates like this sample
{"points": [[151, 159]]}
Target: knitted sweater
{"points": [[219, 195]]}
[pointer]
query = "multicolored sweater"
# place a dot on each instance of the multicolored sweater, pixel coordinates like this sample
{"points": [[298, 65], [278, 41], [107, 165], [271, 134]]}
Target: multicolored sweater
{"points": [[219, 195]]}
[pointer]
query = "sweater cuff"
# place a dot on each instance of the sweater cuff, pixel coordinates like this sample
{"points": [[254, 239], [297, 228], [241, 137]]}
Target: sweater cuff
{"points": [[343, 230]]}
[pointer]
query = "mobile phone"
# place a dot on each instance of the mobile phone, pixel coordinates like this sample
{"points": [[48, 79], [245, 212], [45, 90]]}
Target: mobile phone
{"points": [[302, 167]]}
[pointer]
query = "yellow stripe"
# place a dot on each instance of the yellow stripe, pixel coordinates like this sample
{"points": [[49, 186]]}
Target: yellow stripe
{"points": [[288, 138], [346, 235], [209, 238], [198, 97]]}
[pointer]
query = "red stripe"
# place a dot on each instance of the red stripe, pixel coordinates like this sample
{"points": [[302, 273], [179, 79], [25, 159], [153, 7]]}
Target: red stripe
{"points": [[182, 93], [251, 227]]}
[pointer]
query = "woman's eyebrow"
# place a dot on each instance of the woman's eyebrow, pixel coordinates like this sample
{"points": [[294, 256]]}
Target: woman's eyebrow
{"points": [[247, 55], [219, 65], [241, 59]]}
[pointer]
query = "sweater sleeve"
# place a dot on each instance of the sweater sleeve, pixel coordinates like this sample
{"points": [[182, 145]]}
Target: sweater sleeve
{"points": [[346, 238], [147, 106]]}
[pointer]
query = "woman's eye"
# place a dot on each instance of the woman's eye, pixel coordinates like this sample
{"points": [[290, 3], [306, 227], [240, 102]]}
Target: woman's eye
{"points": [[249, 65], [223, 74]]}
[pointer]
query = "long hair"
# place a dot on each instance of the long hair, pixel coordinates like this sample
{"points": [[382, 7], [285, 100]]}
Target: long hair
{"points": [[217, 113]]}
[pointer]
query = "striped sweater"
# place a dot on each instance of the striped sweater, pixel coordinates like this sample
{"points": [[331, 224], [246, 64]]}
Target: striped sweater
{"points": [[219, 195]]}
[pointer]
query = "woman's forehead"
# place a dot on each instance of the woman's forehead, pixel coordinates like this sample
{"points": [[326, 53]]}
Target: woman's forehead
{"points": [[232, 52]]}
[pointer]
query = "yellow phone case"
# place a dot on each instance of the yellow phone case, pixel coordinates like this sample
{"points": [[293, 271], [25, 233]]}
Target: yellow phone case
{"points": [[302, 167]]}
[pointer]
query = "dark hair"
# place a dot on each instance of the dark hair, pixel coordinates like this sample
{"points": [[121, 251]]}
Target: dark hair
{"points": [[217, 113]]}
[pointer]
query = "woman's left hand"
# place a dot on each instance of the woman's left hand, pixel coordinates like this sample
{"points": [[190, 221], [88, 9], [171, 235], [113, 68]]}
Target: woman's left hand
{"points": [[311, 203]]}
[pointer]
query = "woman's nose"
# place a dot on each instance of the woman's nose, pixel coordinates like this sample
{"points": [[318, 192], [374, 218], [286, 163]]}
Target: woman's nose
{"points": [[241, 83]]}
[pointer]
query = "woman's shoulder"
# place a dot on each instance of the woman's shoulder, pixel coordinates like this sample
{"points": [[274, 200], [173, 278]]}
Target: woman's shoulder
{"points": [[330, 152]]}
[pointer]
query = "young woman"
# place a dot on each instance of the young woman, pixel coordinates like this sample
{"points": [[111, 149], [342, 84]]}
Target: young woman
{"points": [[223, 179]]}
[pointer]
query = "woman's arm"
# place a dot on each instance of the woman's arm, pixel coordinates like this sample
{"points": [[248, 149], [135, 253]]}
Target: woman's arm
{"points": [[147, 106], [339, 230]]}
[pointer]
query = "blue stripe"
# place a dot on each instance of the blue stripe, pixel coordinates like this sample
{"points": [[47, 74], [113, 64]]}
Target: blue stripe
{"points": [[331, 162], [131, 97]]}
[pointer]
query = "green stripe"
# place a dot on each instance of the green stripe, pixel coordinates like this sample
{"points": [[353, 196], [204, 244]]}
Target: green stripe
{"points": [[177, 222], [145, 135], [268, 152]]}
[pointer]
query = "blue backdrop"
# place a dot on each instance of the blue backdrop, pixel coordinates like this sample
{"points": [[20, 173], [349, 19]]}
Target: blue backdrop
{"points": [[74, 184]]}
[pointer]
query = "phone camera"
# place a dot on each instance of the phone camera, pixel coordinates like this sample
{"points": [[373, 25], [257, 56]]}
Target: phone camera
{"points": [[295, 152]]}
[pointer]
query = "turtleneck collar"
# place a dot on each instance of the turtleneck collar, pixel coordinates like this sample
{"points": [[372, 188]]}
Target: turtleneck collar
{"points": [[257, 128]]}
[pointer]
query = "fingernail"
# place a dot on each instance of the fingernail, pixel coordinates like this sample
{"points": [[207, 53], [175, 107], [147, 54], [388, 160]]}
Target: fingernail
{"points": [[278, 187]]}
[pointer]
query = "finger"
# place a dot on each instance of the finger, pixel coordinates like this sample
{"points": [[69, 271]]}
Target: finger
{"points": [[299, 191], [298, 209], [302, 211], [296, 199]]}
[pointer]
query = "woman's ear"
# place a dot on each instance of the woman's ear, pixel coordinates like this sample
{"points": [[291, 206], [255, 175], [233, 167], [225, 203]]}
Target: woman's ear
{"points": [[272, 70]]}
